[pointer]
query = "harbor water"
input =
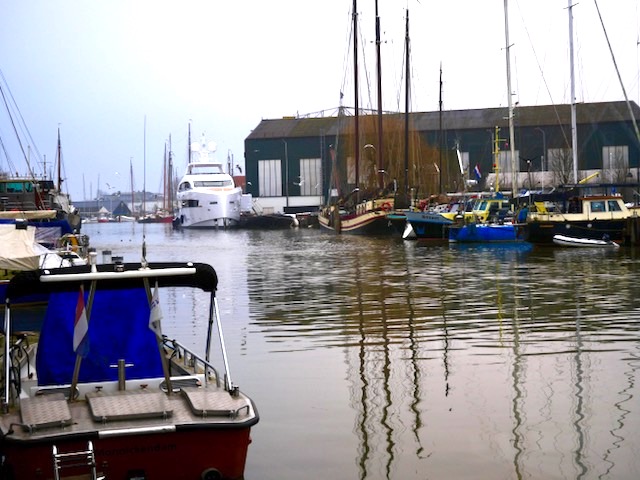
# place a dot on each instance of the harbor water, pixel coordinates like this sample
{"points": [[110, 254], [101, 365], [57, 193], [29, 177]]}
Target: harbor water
{"points": [[378, 358]]}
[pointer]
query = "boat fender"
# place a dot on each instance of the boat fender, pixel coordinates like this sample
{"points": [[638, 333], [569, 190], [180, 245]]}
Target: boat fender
{"points": [[211, 474]]}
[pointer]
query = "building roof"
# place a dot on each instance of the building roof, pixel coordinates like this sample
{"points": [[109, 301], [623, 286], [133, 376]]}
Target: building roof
{"points": [[294, 127], [524, 116]]}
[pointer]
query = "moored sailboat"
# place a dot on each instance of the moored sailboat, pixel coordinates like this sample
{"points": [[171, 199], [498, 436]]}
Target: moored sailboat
{"points": [[361, 211], [572, 212]]}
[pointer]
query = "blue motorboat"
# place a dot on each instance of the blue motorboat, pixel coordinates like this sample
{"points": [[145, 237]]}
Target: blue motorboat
{"points": [[484, 233]]}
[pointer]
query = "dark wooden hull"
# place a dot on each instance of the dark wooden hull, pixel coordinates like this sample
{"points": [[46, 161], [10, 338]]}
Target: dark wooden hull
{"points": [[368, 223]]}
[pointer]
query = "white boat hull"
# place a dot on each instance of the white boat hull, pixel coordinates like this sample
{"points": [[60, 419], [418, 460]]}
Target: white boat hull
{"points": [[210, 209], [566, 241]]}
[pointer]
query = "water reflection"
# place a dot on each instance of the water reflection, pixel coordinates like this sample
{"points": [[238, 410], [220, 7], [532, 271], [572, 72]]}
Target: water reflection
{"points": [[421, 360]]}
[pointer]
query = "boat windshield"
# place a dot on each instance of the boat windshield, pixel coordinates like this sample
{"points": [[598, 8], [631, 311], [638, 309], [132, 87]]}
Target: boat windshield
{"points": [[205, 169], [597, 206], [614, 206], [213, 183]]}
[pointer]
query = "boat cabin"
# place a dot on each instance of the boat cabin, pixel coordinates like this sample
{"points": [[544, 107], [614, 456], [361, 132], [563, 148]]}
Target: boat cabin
{"points": [[591, 207], [491, 209], [25, 194]]}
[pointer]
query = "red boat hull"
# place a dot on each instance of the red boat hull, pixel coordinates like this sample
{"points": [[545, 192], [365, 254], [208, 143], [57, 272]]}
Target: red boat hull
{"points": [[176, 455]]}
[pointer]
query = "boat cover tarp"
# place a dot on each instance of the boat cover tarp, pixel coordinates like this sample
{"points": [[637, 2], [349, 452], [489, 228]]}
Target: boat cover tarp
{"points": [[17, 248], [47, 231], [28, 214], [118, 329]]}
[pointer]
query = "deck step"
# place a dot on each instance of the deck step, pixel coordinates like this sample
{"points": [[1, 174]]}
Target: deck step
{"points": [[205, 402], [45, 411]]}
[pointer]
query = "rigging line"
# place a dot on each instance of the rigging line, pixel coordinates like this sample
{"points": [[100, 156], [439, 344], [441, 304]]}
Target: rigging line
{"points": [[347, 56], [544, 80], [6, 154], [11, 119], [23, 125], [615, 64], [362, 43]]}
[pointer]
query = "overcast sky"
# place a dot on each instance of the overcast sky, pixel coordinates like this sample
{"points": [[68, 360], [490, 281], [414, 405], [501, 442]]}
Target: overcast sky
{"points": [[118, 77]]}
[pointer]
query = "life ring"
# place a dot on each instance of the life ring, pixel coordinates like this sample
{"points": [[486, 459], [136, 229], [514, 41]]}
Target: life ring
{"points": [[386, 206]]}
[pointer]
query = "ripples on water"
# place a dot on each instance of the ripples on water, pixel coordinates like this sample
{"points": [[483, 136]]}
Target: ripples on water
{"points": [[378, 358]]}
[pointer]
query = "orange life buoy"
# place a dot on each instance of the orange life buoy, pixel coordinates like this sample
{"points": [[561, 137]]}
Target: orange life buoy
{"points": [[386, 206]]}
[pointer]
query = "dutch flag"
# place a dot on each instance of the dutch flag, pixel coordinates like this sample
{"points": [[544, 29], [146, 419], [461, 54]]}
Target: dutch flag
{"points": [[81, 327], [155, 315], [477, 172]]}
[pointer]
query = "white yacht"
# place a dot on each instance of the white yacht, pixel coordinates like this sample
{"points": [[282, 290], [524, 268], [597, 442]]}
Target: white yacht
{"points": [[207, 196]]}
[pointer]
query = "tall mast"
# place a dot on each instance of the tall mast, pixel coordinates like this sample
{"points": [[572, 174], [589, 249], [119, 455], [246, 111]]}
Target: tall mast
{"points": [[514, 173], [380, 137], [170, 178], [133, 198], [407, 97], [59, 163], [189, 144], [144, 168], [574, 127], [165, 190], [440, 136], [356, 118]]}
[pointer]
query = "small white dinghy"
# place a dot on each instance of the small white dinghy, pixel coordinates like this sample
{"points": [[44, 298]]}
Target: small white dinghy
{"points": [[566, 241]]}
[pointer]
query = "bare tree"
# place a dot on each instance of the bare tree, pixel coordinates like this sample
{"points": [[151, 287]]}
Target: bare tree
{"points": [[618, 168], [561, 165]]}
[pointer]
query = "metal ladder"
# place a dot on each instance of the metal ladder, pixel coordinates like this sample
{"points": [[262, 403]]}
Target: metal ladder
{"points": [[82, 458]]}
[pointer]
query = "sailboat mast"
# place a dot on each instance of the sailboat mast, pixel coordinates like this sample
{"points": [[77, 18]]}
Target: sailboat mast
{"points": [[59, 163], [165, 190], [170, 179], [379, 69], [440, 135], [144, 168], [133, 198], [356, 118], [189, 143], [514, 173], [574, 126], [407, 97]]}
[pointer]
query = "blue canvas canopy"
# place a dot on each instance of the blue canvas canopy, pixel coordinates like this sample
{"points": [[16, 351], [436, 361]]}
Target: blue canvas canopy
{"points": [[118, 329], [118, 320]]}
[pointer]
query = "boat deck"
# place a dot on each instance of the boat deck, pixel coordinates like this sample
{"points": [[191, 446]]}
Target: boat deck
{"points": [[114, 413]]}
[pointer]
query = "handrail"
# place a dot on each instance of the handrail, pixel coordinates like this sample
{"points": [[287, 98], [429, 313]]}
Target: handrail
{"points": [[190, 359], [18, 356]]}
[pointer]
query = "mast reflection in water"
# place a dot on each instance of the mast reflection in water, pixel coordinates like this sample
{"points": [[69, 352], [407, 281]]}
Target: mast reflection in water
{"points": [[377, 358]]}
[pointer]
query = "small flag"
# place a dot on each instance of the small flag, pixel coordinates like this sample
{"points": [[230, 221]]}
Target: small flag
{"points": [[81, 327], [477, 172], [155, 315]]}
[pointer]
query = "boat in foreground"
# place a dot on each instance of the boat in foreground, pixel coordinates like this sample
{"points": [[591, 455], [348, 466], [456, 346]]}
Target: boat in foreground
{"points": [[566, 241], [104, 393]]}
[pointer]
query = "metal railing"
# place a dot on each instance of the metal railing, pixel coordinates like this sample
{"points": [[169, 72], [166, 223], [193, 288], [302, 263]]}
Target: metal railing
{"points": [[190, 360]]}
